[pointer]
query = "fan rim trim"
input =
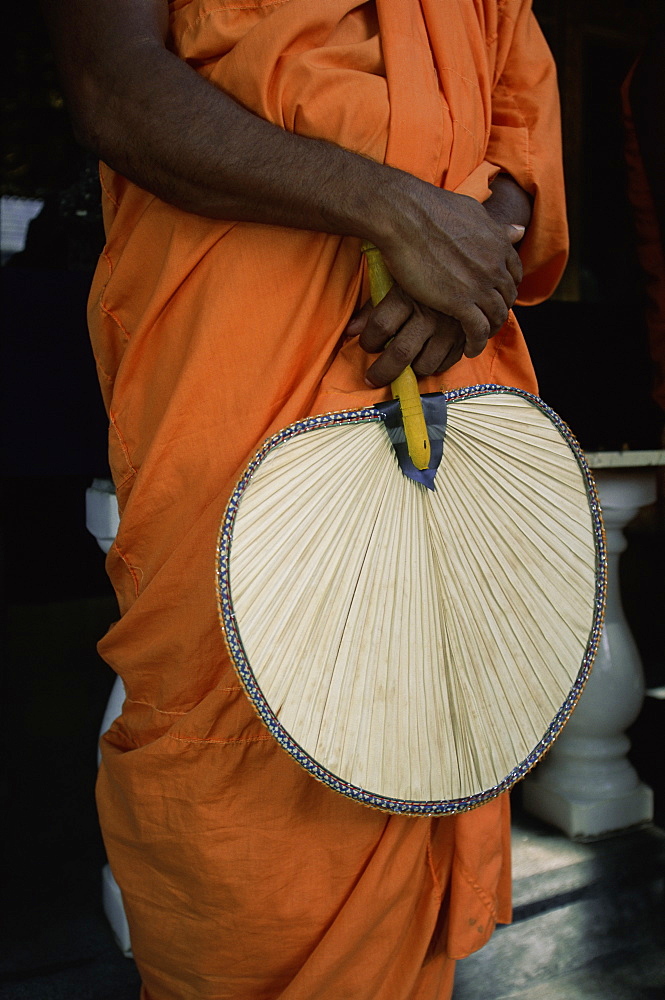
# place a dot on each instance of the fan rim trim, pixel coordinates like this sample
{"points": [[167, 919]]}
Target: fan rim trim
{"points": [[252, 689]]}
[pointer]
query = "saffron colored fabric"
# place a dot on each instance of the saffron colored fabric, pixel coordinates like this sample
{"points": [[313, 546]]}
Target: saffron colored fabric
{"points": [[243, 878]]}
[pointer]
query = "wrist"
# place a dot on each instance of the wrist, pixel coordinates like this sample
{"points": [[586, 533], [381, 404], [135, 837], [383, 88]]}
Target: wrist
{"points": [[367, 207], [397, 207]]}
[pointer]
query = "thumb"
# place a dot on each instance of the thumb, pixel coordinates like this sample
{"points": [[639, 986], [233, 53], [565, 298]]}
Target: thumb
{"points": [[515, 232]]}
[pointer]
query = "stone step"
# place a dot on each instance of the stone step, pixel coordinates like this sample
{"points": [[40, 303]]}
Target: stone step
{"points": [[636, 974], [583, 913]]}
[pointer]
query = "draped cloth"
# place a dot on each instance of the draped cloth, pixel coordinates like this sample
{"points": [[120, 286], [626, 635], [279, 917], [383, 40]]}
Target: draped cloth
{"points": [[244, 878]]}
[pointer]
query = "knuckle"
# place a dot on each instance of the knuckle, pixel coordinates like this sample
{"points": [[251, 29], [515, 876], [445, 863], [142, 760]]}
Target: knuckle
{"points": [[495, 310], [426, 362], [478, 330], [381, 325], [509, 293], [516, 269], [495, 326], [401, 353], [368, 342], [479, 327]]}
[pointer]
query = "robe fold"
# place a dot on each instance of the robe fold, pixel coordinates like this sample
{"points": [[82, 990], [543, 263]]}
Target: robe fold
{"points": [[243, 878]]}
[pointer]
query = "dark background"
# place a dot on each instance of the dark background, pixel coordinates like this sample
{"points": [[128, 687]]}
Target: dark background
{"points": [[590, 349]]}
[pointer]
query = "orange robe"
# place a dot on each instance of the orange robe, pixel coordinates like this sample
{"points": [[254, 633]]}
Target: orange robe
{"points": [[244, 878]]}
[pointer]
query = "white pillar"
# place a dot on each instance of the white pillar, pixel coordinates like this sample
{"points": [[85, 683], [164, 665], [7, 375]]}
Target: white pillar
{"points": [[102, 520], [101, 512], [586, 786]]}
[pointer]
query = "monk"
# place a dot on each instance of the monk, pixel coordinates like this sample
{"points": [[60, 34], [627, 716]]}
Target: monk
{"points": [[248, 146]]}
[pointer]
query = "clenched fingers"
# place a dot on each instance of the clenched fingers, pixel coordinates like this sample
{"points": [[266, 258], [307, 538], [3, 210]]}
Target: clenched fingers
{"points": [[515, 269], [428, 340], [443, 350], [383, 321]]}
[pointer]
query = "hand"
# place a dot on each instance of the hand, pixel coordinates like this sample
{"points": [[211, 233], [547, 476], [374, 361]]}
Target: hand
{"points": [[427, 340], [508, 203], [446, 252]]}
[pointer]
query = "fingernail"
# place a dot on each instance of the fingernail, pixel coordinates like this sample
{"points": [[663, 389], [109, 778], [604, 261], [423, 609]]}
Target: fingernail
{"points": [[520, 229], [370, 384]]}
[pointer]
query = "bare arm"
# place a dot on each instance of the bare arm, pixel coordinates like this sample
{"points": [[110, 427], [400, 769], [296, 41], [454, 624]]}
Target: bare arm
{"points": [[148, 115], [155, 120]]}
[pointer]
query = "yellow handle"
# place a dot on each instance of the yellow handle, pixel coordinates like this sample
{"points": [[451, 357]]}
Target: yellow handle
{"points": [[405, 386]]}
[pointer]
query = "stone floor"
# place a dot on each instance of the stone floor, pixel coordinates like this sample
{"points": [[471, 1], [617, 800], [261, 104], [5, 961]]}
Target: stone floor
{"points": [[589, 918], [589, 921]]}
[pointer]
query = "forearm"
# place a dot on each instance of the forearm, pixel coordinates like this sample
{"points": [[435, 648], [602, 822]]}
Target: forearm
{"points": [[229, 163], [152, 118], [155, 120]]}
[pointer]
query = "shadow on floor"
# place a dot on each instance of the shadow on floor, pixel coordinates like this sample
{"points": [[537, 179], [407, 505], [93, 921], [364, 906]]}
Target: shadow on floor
{"points": [[589, 918]]}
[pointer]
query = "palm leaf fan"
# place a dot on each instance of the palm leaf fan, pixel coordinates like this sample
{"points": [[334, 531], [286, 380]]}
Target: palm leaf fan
{"points": [[415, 629]]}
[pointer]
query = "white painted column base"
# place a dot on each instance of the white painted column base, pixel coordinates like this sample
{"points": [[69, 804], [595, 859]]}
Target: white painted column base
{"points": [[102, 521], [586, 786], [115, 911], [101, 513], [582, 817]]}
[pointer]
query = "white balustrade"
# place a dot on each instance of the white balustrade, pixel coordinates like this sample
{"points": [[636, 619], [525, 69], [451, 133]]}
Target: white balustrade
{"points": [[102, 521], [586, 786]]}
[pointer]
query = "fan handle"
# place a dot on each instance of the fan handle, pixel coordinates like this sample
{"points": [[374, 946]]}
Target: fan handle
{"points": [[405, 386]]}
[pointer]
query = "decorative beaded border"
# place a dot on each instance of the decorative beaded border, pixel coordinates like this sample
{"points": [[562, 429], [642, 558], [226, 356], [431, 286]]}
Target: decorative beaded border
{"points": [[246, 675]]}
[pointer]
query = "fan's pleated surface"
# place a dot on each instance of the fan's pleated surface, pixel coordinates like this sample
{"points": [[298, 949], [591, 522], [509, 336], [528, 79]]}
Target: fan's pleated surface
{"points": [[417, 644]]}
